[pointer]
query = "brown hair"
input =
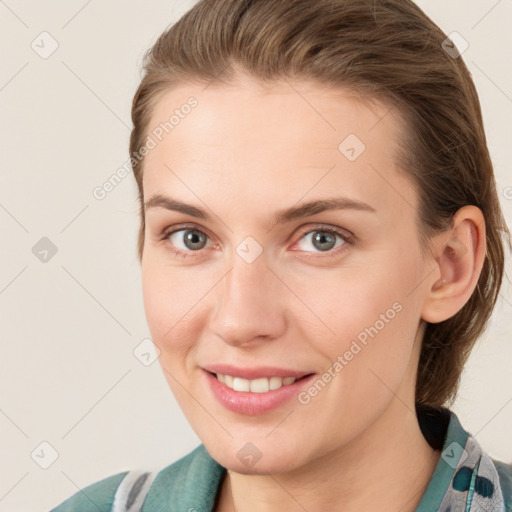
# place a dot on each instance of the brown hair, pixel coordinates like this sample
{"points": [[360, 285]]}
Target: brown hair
{"points": [[382, 49]]}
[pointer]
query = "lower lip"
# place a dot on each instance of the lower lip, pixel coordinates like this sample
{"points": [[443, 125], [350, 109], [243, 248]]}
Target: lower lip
{"points": [[245, 402]]}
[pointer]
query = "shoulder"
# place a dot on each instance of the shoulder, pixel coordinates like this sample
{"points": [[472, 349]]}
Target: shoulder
{"points": [[195, 476], [98, 496], [505, 474], [192, 481]]}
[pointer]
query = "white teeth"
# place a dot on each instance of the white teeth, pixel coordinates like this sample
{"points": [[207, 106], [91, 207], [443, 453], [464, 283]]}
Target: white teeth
{"points": [[240, 384], [275, 382], [261, 385]]}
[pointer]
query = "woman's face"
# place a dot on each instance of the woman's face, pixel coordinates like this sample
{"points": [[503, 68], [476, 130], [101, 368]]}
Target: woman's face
{"points": [[259, 288]]}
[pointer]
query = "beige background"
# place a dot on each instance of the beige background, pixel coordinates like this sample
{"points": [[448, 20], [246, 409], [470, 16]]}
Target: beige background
{"points": [[69, 326]]}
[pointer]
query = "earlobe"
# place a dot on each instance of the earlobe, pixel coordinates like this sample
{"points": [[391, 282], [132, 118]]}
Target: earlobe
{"points": [[459, 255]]}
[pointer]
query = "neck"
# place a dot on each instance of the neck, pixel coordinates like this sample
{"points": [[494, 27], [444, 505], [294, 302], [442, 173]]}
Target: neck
{"points": [[376, 472]]}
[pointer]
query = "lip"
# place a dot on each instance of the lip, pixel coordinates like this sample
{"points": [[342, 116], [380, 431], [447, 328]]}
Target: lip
{"points": [[249, 403], [255, 373]]}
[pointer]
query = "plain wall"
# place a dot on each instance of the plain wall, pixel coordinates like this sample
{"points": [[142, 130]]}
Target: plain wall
{"points": [[69, 325]]}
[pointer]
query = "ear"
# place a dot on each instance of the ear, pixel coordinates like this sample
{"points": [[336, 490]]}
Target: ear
{"points": [[459, 255]]}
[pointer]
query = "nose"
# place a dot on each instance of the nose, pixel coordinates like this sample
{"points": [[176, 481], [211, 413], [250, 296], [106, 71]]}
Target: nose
{"points": [[250, 304]]}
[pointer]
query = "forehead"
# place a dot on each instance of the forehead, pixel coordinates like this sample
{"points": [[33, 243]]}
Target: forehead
{"points": [[311, 111], [294, 137]]}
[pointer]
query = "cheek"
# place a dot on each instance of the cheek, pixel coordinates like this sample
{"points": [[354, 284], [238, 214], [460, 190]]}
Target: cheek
{"points": [[172, 301], [371, 314], [352, 299]]}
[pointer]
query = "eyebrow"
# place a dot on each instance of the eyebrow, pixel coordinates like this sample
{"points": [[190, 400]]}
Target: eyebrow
{"points": [[281, 217]]}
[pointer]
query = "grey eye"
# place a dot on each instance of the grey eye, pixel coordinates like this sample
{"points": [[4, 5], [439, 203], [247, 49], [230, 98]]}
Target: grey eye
{"points": [[191, 239], [322, 240]]}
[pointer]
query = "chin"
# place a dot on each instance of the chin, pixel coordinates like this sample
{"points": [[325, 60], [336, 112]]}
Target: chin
{"points": [[258, 458], [272, 465]]}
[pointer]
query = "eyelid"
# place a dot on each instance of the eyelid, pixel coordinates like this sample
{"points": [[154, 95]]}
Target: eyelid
{"points": [[182, 227], [343, 233], [347, 237]]}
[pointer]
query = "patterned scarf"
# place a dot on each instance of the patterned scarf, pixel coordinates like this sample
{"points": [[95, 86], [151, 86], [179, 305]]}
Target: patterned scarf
{"points": [[475, 486]]}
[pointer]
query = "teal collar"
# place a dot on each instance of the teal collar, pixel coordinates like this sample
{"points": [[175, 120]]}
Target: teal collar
{"points": [[453, 449]]}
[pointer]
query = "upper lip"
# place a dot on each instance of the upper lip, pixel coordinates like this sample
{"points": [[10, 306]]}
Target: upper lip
{"points": [[254, 373]]}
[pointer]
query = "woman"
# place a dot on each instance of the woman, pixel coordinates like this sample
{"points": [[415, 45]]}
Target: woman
{"points": [[321, 245]]}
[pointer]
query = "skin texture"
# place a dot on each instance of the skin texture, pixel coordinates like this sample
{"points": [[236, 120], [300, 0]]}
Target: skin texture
{"points": [[244, 153]]}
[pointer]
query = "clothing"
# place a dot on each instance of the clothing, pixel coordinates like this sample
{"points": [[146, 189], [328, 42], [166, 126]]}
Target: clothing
{"points": [[465, 479]]}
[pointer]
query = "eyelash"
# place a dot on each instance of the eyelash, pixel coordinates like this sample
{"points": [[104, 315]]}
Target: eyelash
{"points": [[347, 239]]}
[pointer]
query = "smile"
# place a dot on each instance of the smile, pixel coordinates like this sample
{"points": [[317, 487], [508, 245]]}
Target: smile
{"points": [[254, 394], [261, 385]]}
